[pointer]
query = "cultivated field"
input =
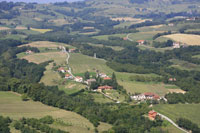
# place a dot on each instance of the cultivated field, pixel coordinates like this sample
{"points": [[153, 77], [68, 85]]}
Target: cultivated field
{"points": [[11, 105], [41, 30], [105, 37], [185, 38], [175, 111], [45, 44], [58, 57], [148, 36]]}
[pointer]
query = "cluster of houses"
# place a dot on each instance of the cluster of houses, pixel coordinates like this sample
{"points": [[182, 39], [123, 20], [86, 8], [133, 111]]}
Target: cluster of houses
{"points": [[146, 96], [69, 76]]}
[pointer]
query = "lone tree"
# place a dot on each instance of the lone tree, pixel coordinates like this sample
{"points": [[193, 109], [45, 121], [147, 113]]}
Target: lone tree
{"points": [[87, 75], [114, 81]]}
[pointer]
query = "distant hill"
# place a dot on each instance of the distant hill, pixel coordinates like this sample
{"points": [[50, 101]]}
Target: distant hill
{"points": [[42, 1]]}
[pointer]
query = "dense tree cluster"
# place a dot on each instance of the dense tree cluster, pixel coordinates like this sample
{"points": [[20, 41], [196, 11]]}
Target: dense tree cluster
{"points": [[168, 43], [32, 125], [188, 125], [4, 124]]}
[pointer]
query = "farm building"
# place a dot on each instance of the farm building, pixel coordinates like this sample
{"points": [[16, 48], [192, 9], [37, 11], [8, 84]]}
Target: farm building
{"points": [[106, 87], [29, 52], [124, 38], [61, 69], [102, 75], [140, 42], [107, 78], [176, 45], [89, 81], [146, 96], [152, 115], [72, 50], [78, 79], [172, 79], [68, 76]]}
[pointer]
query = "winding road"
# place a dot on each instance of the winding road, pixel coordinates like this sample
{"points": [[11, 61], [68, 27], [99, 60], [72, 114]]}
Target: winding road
{"points": [[173, 123], [67, 60], [128, 37]]}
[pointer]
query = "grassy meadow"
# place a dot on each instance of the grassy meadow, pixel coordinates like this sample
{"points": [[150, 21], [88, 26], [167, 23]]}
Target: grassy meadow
{"points": [[58, 57], [175, 111], [11, 105]]}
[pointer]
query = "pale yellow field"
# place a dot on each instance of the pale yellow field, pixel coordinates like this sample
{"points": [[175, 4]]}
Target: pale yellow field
{"points": [[4, 28], [185, 38], [41, 30], [177, 91], [41, 44], [129, 19], [20, 28]]}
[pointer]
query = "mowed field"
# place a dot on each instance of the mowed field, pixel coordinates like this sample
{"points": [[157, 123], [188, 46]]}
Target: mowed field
{"points": [[11, 105], [175, 111], [148, 36], [38, 58], [45, 44], [82, 63], [105, 37], [185, 38]]}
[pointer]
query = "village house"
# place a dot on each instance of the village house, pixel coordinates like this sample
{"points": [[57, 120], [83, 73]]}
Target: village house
{"points": [[170, 24], [176, 45], [106, 87], [172, 79], [68, 76], [138, 97], [124, 38], [72, 50], [102, 75], [107, 78], [90, 81], [152, 115], [146, 96], [78, 79], [140, 42], [61, 69], [29, 52]]}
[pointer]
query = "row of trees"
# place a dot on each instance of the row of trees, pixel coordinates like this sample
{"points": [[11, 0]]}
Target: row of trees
{"points": [[32, 125]]}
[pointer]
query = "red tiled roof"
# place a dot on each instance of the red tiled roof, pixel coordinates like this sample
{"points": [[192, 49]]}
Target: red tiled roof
{"points": [[140, 41], [60, 69], [107, 78], [105, 87], [67, 75]]}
